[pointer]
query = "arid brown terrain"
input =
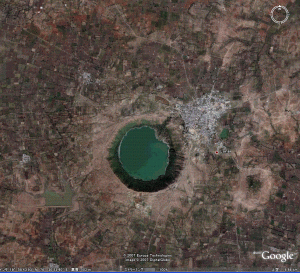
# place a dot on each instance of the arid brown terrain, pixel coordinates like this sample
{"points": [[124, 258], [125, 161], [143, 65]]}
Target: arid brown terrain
{"points": [[73, 73]]}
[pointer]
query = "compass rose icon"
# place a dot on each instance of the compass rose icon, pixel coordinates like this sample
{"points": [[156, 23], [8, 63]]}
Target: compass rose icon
{"points": [[279, 14]]}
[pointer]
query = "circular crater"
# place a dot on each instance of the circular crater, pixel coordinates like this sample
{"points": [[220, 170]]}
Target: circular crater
{"points": [[142, 154], [146, 156]]}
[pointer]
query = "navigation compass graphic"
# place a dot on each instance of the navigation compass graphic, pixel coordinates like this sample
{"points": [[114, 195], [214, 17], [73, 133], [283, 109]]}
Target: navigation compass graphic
{"points": [[279, 14]]}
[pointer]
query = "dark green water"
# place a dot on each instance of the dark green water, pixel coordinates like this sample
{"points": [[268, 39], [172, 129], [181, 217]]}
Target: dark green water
{"points": [[142, 155]]}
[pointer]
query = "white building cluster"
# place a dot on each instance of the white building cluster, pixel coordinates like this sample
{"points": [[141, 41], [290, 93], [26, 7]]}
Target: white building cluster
{"points": [[86, 78], [202, 114]]}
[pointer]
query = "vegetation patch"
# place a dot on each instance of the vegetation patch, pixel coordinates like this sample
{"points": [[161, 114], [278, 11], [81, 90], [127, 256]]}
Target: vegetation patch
{"points": [[224, 134], [254, 184]]}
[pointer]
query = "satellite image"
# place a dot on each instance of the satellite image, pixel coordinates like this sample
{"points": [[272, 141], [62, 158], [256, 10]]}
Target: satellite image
{"points": [[149, 135]]}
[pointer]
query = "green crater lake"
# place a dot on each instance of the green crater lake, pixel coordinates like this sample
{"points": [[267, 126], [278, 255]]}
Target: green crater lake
{"points": [[142, 155]]}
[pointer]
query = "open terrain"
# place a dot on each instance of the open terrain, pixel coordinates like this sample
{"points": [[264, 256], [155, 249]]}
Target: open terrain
{"points": [[73, 73]]}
